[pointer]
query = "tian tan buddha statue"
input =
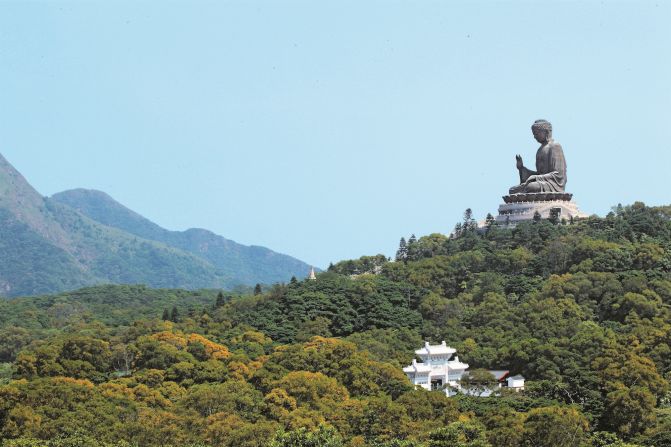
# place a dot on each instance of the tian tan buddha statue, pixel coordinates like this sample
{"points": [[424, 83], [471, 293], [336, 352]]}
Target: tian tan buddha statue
{"points": [[550, 173], [541, 193]]}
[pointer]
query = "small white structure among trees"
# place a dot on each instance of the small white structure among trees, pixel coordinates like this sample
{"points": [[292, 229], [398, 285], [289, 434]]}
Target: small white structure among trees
{"points": [[440, 368], [516, 382]]}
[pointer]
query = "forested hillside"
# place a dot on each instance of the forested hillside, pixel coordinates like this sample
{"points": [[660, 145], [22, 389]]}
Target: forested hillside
{"points": [[247, 265], [47, 246], [582, 310]]}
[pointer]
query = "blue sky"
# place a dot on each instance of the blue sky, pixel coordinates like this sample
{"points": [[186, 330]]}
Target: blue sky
{"points": [[328, 130]]}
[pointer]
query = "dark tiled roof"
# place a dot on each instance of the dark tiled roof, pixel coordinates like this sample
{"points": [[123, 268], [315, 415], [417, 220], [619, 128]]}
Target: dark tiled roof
{"points": [[499, 374]]}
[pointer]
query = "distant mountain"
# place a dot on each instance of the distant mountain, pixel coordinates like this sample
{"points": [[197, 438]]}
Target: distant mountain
{"points": [[246, 264], [48, 246]]}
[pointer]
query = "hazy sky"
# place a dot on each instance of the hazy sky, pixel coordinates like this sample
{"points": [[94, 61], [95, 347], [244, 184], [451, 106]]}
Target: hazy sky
{"points": [[328, 130]]}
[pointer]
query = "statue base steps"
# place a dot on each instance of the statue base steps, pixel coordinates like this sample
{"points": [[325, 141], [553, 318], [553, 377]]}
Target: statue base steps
{"points": [[513, 212]]}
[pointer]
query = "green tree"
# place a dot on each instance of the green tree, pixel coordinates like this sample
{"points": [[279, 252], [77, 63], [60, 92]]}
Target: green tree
{"points": [[411, 248], [174, 315], [505, 426], [469, 223], [402, 252], [554, 427], [12, 340], [479, 381], [232, 396], [459, 434], [324, 436]]}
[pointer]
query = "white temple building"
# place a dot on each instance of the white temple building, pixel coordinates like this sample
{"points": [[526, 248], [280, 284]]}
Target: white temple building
{"points": [[440, 368], [437, 369]]}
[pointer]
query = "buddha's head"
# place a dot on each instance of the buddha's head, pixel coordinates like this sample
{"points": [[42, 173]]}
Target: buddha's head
{"points": [[542, 130]]}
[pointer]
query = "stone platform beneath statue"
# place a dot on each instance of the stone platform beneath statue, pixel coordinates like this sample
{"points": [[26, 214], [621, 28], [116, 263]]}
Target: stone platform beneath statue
{"points": [[537, 197], [522, 207]]}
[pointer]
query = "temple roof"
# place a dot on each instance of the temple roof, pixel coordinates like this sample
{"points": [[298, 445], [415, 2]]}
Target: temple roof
{"points": [[499, 374], [435, 349], [456, 364], [417, 367]]}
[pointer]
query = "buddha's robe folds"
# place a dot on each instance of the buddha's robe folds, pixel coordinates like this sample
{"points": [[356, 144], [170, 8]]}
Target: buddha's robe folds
{"points": [[550, 171]]}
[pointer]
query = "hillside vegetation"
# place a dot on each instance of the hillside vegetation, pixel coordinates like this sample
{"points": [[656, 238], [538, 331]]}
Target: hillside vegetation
{"points": [[582, 310], [245, 265], [49, 245]]}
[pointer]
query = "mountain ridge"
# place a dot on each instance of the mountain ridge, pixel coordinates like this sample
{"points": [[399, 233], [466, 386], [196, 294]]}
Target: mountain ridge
{"points": [[251, 264], [47, 246]]}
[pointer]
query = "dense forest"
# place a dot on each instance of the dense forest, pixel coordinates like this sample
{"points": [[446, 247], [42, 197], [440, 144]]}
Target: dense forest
{"points": [[582, 309]]}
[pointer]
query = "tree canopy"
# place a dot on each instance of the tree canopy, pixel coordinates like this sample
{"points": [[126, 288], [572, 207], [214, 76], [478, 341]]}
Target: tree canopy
{"points": [[581, 309]]}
